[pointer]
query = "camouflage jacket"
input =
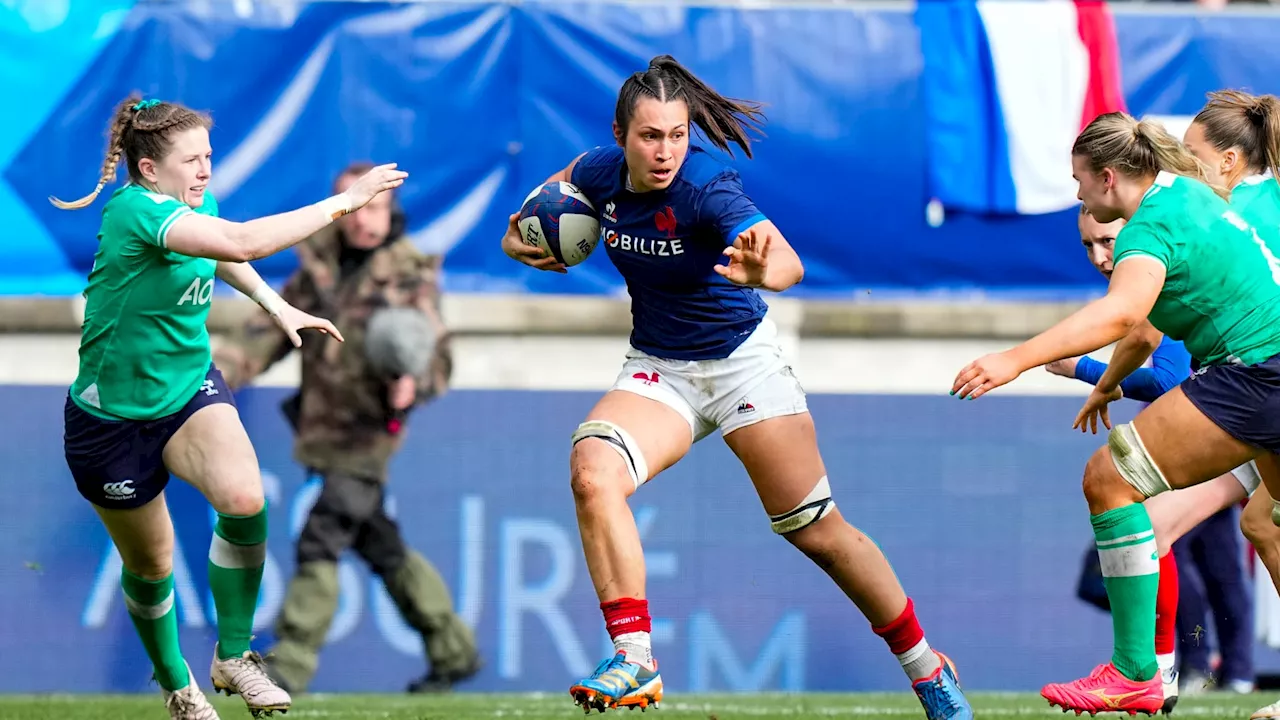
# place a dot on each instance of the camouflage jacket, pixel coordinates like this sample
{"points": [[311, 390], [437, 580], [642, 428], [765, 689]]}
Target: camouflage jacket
{"points": [[344, 421]]}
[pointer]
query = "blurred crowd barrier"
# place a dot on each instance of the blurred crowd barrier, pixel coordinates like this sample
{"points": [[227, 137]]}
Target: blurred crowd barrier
{"points": [[482, 101]]}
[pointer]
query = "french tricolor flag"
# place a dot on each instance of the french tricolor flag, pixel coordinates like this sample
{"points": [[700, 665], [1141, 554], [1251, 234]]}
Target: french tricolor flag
{"points": [[1008, 85]]}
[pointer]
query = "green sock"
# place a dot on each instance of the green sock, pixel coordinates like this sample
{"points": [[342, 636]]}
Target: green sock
{"points": [[1131, 573], [236, 557], [150, 604]]}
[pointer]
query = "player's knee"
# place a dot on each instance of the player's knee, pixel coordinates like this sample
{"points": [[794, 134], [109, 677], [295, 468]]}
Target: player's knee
{"points": [[1099, 480], [1125, 462], [811, 526], [605, 460], [1258, 529], [152, 565], [597, 473], [242, 500], [1120, 473]]}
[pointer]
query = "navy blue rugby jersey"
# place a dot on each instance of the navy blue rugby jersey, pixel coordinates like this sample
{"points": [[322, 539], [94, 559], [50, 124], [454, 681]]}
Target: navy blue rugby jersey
{"points": [[665, 243]]}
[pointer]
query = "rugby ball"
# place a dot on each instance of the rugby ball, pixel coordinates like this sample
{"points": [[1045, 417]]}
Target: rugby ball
{"points": [[558, 218]]}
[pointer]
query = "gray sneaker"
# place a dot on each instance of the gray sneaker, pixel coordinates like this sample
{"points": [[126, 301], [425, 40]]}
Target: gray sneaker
{"points": [[247, 677], [188, 703]]}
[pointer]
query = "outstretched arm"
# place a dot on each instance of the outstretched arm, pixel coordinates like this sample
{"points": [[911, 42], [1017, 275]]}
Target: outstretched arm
{"points": [[197, 235], [1135, 286]]}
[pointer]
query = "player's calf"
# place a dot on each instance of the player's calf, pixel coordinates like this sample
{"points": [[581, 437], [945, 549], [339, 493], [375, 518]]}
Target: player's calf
{"points": [[858, 566]]}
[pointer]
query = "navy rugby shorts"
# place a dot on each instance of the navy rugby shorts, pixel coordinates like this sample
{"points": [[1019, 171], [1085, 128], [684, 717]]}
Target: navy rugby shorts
{"points": [[119, 464], [1243, 400]]}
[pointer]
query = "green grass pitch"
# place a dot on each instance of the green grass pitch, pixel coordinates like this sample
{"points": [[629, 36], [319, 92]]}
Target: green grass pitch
{"points": [[472, 706]]}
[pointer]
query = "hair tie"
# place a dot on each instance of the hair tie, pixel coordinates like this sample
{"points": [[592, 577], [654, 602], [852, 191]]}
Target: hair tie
{"points": [[144, 104]]}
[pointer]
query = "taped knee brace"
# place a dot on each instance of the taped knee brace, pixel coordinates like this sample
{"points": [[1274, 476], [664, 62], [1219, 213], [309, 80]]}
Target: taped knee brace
{"points": [[810, 510], [621, 441], [1135, 465]]}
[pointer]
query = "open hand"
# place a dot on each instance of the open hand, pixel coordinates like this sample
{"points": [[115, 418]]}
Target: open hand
{"points": [[377, 180], [748, 258], [291, 320], [1095, 409], [984, 375]]}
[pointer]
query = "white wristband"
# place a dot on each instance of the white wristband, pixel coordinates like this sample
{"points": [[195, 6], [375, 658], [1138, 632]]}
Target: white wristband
{"points": [[335, 206], [269, 299]]}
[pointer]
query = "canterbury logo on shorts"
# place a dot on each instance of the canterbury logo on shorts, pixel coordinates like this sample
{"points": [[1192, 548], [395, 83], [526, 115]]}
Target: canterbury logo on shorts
{"points": [[118, 490]]}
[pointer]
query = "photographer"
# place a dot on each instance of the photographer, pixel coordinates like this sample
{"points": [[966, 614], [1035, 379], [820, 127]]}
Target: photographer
{"points": [[349, 416]]}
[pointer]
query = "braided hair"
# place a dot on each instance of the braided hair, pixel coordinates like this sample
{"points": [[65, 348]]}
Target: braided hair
{"points": [[139, 129]]}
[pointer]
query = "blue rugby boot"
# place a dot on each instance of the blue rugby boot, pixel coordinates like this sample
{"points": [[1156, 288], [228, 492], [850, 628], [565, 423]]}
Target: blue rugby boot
{"points": [[617, 683], [940, 693]]}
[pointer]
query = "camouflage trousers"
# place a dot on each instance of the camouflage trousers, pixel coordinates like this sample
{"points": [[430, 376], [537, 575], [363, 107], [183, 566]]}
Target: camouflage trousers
{"points": [[349, 514]]}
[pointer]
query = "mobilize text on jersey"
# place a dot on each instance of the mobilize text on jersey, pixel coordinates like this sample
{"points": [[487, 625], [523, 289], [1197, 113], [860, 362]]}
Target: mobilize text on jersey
{"points": [[643, 246]]}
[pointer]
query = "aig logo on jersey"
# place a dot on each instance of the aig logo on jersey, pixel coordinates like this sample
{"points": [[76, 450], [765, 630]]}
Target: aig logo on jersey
{"points": [[197, 293]]}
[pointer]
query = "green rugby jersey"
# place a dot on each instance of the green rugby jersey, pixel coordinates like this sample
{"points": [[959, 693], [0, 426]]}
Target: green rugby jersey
{"points": [[1221, 294], [144, 347]]}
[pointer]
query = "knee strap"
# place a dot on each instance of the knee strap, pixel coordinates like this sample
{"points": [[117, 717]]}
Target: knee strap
{"points": [[810, 510], [622, 443], [1133, 462]]}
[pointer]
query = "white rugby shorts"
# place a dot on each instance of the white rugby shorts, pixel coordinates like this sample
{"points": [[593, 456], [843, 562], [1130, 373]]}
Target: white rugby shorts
{"points": [[754, 383]]}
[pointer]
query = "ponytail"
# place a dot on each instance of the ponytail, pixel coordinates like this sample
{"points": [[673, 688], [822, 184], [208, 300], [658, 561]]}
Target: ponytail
{"points": [[1265, 114], [1234, 119], [723, 120], [1172, 156], [1138, 149]]}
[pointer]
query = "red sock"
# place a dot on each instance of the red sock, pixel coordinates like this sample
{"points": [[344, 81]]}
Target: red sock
{"points": [[626, 615], [628, 623], [1167, 605], [904, 633], [906, 640]]}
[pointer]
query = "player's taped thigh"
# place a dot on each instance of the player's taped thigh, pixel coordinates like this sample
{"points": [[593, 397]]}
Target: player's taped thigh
{"points": [[810, 510], [1133, 462], [621, 442]]}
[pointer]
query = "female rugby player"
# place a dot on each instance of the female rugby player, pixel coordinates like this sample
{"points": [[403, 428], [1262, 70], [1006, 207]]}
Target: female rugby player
{"points": [[704, 356], [1189, 262], [148, 401], [1172, 514], [1237, 136]]}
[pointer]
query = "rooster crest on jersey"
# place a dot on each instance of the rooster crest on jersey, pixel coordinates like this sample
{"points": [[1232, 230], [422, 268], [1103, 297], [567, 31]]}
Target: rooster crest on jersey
{"points": [[558, 218]]}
